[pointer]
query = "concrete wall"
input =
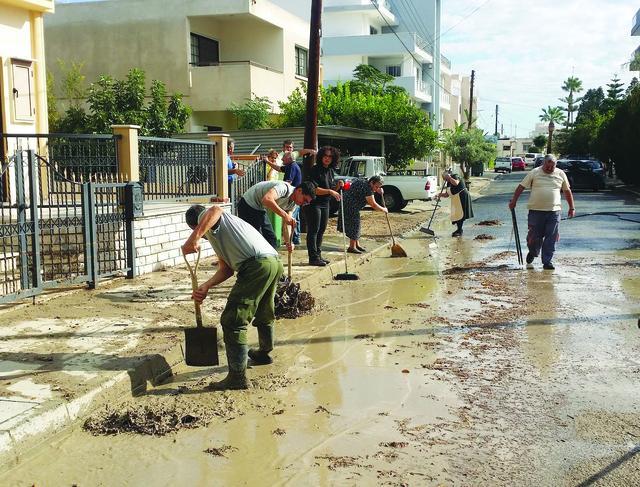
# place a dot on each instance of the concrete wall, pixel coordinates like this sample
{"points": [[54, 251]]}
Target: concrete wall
{"points": [[21, 37], [114, 36]]}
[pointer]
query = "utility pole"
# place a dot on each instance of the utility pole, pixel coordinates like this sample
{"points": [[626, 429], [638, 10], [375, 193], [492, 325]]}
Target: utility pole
{"points": [[473, 77], [313, 78], [496, 131]]}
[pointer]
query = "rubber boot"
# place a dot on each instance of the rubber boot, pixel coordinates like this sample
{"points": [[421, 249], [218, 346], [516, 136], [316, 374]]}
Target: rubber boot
{"points": [[236, 377], [260, 356]]}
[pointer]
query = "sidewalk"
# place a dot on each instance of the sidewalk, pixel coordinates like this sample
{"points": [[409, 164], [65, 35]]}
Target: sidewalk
{"points": [[68, 351]]}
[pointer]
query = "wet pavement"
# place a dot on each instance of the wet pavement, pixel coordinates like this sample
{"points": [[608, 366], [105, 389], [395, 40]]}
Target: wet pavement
{"points": [[450, 367]]}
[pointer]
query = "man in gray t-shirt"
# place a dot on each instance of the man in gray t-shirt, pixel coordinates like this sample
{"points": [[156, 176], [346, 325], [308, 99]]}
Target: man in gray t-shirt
{"points": [[241, 250], [277, 196]]}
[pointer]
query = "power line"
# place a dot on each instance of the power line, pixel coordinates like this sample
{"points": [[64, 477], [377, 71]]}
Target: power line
{"points": [[464, 18], [375, 4]]}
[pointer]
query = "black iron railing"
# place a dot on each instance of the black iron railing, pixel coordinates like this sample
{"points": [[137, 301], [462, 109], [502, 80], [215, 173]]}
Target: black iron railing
{"points": [[253, 174], [173, 168]]}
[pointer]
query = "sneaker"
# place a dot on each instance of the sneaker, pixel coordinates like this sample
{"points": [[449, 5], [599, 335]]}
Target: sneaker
{"points": [[361, 249], [325, 260], [317, 263], [548, 267], [457, 233], [530, 258], [353, 251]]}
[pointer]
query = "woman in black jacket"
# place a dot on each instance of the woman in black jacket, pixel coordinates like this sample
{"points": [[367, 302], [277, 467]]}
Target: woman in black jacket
{"points": [[317, 212]]}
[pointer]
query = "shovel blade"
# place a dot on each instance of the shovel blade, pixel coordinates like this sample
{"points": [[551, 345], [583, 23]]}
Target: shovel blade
{"points": [[201, 346], [397, 251]]}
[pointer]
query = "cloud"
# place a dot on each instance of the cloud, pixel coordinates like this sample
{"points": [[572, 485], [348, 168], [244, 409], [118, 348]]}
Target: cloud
{"points": [[522, 51]]}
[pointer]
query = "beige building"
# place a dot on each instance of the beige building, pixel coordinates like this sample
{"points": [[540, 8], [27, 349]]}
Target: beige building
{"points": [[213, 52], [23, 86]]}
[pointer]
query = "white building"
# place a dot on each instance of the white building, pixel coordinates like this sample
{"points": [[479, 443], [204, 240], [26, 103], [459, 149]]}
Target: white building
{"points": [[635, 31], [213, 52], [401, 38]]}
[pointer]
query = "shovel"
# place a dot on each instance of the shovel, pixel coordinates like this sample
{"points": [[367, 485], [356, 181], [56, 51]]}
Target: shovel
{"points": [[428, 230], [396, 249], [516, 235], [201, 344]]}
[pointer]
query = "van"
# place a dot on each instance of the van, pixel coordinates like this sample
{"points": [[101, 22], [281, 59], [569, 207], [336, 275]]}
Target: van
{"points": [[530, 158]]}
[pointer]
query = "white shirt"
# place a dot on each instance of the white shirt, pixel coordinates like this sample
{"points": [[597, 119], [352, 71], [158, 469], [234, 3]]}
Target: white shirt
{"points": [[545, 189]]}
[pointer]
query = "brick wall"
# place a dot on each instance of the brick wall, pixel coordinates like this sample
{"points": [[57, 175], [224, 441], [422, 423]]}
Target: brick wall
{"points": [[158, 238]]}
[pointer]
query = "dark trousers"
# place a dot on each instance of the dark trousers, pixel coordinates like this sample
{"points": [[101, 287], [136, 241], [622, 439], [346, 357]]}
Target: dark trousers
{"points": [[543, 233], [257, 219], [317, 219]]}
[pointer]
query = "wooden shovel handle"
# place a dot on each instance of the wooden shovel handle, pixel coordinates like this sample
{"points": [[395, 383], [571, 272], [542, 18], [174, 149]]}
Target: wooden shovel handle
{"points": [[288, 232], [194, 285]]}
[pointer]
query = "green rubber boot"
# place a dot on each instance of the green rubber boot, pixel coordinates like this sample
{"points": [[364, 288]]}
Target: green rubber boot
{"points": [[236, 378]]}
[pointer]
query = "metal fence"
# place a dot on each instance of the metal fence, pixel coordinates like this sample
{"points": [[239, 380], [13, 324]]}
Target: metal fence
{"points": [[75, 156], [174, 168], [253, 174], [55, 230]]}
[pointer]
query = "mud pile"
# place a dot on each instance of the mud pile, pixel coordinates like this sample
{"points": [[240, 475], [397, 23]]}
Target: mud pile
{"points": [[484, 236], [489, 223], [290, 302], [146, 420]]}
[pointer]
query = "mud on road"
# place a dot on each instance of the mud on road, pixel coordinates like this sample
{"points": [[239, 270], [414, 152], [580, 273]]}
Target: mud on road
{"points": [[430, 370]]}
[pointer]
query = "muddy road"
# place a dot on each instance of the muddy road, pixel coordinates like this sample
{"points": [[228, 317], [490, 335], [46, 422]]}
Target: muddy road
{"points": [[450, 367]]}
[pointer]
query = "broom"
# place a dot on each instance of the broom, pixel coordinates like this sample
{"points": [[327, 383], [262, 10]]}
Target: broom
{"points": [[344, 276], [396, 249]]}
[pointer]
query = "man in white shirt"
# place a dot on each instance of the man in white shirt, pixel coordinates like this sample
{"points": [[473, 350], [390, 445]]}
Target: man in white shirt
{"points": [[545, 182]]}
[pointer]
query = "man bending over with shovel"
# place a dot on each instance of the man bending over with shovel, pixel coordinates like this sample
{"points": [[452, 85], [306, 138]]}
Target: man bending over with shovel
{"points": [[240, 248], [277, 196]]}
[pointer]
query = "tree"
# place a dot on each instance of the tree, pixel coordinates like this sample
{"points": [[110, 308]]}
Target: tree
{"points": [[571, 85], [467, 147], [592, 100], [371, 78], [614, 93], [535, 149], [253, 113], [633, 84], [112, 102], [365, 104], [552, 115], [540, 141]]}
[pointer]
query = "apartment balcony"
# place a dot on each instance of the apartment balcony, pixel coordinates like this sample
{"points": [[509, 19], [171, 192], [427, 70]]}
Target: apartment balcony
{"points": [[363, 6], [34, 5], [445, 65], [445, 101], [378, 45], [635, 26], [216, 87], [418, 90]]}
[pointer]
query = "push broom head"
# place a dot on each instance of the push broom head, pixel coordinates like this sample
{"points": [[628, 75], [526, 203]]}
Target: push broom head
{"points": [[345, 276]]}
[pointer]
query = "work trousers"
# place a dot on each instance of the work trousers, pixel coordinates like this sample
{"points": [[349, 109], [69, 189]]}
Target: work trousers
{"points": [[259, 220], [317, 218], [250, 299], [543, 233]]}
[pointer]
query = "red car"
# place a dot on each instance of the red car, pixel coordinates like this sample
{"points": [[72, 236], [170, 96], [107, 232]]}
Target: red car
{"points": [[517, 164]]}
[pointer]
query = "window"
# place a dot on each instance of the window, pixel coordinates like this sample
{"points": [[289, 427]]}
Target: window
{"points": [[204, 51], [394, 71], [302, 62], [22, 81], [372, 30], [506, 147]]}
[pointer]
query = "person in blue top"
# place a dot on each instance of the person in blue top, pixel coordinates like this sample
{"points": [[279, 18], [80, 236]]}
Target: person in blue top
{"points": [[232, 169]]}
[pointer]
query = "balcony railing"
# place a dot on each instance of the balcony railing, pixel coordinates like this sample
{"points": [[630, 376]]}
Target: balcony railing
{"points": [[445, 61]]}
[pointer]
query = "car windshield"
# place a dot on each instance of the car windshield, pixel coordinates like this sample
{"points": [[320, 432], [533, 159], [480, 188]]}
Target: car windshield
{"points": [[529, 156]]}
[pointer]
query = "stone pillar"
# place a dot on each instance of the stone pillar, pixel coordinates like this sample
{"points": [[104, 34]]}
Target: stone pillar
{"points": [[221, 172], [128, 162]]}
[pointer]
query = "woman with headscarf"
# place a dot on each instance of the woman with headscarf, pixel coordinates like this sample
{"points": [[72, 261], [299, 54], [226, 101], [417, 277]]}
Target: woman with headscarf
{"points": [[322, 174], [359, 194], [461, 208]]}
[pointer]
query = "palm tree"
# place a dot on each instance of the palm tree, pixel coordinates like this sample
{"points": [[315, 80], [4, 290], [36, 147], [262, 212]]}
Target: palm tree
{"points": [[552, 115], [571, 85]]}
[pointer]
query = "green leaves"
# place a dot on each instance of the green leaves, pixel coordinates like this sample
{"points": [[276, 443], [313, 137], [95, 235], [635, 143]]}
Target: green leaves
{"points": [[114, 102], [254, 113], [368, 103], [467, 147]]}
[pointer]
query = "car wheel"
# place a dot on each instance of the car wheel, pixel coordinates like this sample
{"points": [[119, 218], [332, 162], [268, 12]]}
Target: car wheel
{"points": [[392, 199]]}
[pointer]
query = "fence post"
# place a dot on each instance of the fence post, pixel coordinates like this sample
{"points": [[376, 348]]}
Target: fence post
{"points": [[221, 172], [127, 143]]}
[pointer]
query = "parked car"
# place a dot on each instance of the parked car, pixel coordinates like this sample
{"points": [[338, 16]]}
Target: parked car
{"points": [[539, 161], [584, 174], [400, 187], [502, 164], [518, 164], [530, 158]]}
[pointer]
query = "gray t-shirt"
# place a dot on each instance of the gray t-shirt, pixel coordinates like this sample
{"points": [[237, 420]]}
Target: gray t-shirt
{"points": [[253, 196], [235, 241]]}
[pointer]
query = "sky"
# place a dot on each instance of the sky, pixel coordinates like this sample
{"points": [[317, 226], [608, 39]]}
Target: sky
{"points": [[523, 50]]}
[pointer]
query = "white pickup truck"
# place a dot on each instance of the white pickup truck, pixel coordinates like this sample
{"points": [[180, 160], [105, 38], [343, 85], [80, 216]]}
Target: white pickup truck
{"points": [[400, 187]]}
